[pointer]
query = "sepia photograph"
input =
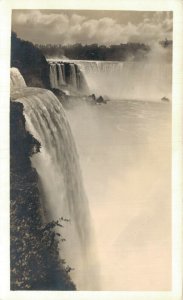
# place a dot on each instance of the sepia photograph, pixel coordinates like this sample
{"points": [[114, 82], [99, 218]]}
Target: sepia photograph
{"points": [[91, 150], [91, 131]]}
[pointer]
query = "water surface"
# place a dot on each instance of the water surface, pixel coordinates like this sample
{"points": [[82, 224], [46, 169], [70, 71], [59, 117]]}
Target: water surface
{"points": [[125, 155]]}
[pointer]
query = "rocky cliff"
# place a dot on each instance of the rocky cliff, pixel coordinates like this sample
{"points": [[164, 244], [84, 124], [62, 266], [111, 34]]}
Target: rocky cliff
{"points": [[30, 61], [35, 262]]}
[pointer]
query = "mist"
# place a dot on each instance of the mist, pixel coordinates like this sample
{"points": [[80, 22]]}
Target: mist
{"points": [[125, 154]]}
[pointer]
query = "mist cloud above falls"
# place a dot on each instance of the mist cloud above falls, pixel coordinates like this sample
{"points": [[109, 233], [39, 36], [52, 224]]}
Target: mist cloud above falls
{"points": [[69, 28]]}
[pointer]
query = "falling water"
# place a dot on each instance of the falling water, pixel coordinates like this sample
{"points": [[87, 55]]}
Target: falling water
{"points": [[63, 73], [128, 80], [16, 79], [125, 152], [53, 76], [122, 80], [124, 148], [73, 76], [58, 168]]}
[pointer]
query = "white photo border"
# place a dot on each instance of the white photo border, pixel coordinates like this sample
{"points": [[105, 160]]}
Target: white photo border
{"points": [[6, 7]]}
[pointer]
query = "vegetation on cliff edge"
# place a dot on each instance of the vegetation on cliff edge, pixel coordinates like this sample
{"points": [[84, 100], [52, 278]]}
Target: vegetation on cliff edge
{"points": [[30, 61], [34, 252]]}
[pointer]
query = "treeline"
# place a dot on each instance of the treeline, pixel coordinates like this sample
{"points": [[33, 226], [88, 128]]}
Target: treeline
{"points": [[120, 52]]}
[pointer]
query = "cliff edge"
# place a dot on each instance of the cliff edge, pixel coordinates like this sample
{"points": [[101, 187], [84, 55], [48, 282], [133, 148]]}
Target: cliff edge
{"points": [[35, 262]]}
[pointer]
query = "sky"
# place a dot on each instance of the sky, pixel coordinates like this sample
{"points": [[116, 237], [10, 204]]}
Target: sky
{"points": [[87, 26]]}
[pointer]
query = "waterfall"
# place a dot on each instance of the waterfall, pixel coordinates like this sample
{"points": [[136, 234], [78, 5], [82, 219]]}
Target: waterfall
{"points": [[128, 80], [73, 76], [61, 74], [58, 168], [121, 80], [16, 79], [67, 74], [53, 76]]}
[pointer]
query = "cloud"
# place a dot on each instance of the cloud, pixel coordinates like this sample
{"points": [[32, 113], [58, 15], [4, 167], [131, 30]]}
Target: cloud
{"points": [[45, 27]]}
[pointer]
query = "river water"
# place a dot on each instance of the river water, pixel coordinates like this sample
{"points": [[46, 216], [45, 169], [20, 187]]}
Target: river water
{"points": [[125, 156]]}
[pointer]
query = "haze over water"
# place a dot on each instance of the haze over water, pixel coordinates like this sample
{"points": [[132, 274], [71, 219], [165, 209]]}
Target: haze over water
{"points": [[125, 155]]}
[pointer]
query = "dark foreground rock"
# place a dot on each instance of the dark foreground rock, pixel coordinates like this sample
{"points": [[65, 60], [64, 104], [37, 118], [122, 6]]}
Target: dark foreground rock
{"points": [[34, 254]]}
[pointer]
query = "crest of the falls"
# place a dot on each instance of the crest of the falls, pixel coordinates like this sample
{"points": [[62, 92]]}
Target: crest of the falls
{"points": [[16, 79], [124, 80], [62, 190]]}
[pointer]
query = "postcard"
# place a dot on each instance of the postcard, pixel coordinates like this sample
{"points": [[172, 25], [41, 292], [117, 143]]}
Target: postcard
{"points": [[91, 150]]}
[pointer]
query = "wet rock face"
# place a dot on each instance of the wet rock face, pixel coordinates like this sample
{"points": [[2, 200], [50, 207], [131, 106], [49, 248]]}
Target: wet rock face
{"points": [[35, 262], [22, 143]]}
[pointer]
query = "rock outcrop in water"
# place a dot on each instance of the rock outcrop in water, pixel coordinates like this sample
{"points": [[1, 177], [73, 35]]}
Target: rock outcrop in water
{"points": [[35, 262], [96, 100]]}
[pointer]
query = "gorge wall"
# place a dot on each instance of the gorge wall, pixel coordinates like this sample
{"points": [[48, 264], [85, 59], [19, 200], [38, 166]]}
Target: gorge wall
{"points": [[30, 61], [61, 192], [35, 262]]}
